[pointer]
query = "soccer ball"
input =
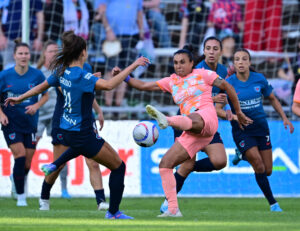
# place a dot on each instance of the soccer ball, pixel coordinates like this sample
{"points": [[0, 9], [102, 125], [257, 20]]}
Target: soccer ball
{"points": [[145, 134]]}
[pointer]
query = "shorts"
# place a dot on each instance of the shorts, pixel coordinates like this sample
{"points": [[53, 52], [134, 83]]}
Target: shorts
{"points": [[42, 125], [216, 139], [244, 142], [27, 139], [193, 142], [57, 137], [86, 143]]}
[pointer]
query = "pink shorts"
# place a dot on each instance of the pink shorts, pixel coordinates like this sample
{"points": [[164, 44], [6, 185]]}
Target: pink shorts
{"points": [[192, 142]]}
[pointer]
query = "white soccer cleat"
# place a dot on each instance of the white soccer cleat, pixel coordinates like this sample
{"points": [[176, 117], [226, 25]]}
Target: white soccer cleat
{"points": [[21, 200], [44, 204], [158, 116], [169, 214], [103, 206], [13, 187]]}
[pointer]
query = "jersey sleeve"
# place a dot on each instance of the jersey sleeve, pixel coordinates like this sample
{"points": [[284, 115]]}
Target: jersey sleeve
{"points": [[1, 82], [53, 81], [297, 93], [208, 76], [88, 82], [164, 84], [267, 88]]}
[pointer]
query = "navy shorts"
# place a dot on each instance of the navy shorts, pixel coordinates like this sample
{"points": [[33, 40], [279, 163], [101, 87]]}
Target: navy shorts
{"points": [[217, 139], [12, 137], [57, 136], [245, 142], [87, 143]]}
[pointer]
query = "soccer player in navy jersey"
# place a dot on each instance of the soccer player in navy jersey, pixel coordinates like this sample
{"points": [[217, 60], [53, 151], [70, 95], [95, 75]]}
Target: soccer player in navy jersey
{"points": [[254, 140], [215, 151], [19, 124], [78, 88]]}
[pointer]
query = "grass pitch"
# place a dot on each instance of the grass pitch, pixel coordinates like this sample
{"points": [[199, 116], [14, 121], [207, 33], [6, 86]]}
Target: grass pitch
{"points": [[80, 214]]}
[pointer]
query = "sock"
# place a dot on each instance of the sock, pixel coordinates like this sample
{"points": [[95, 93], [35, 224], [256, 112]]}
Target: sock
{"points": [[169, 186], [26, 171], [263, 183], [116, 187], [100, 197], [63, 177], [19, 174], [204, 165], [69, 154], [179, 122], [46, 188], [179, 181]]}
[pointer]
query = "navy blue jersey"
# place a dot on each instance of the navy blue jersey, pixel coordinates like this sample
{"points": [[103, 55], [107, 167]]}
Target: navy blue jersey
{"points": [[221, 71], [77, 86], [250, 95], [13, 85], [87, 67]]}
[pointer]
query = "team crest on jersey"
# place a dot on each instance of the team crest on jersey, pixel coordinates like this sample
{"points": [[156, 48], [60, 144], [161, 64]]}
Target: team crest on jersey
{"points": [[12, 136], [257, 88], [242, 143], [59, 136], [30, 85]]}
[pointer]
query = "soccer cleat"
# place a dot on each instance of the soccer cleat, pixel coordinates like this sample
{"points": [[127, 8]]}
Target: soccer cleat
{"points": [[275, 208], [169, 214], [65, 194], [103, 205], [164, 206], [237, 157], [158, 116], [117, 215], [13, 187], [21, 200], [44, 204], [48, 169]]}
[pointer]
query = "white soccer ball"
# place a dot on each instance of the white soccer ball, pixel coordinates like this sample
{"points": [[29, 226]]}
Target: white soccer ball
{"points": [[145, 134]]}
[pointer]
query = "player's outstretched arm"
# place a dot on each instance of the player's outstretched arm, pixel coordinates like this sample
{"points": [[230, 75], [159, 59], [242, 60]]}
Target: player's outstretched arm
{"points": [[32, 92]]}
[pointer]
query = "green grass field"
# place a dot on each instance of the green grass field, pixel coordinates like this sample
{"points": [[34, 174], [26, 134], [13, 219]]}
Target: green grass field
{"points": [[80, 214]]}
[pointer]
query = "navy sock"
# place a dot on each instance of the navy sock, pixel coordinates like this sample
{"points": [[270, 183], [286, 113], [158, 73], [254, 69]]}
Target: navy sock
{"points": [[46, 188], [204, 165], [69, 154], [26, 171], [116, 187], [179, 181], [100, 197], [19, 174], [263, 183]]}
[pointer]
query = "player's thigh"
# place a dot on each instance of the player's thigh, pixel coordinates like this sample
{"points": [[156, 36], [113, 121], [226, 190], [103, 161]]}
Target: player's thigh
{"points": [[108, 157], [255, 159], [58, 150], [187, 167], [217, 154], [267, 160], [17, 149]]}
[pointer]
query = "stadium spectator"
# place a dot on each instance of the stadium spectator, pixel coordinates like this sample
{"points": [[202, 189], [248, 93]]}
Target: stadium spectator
{"points": [[228, 44], [225, 17], [123, 21], [19, 123], [216, 156], [193, 24], [157, 22], [254, 140], [11, 28], [262, 31], [192, 91], [78, 88], [296, 103]]}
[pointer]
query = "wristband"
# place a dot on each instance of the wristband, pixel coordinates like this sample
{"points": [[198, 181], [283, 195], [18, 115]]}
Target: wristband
{"points": [[127, 79]]}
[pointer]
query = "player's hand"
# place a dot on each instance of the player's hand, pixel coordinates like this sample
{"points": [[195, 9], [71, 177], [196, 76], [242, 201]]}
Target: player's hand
{"points": [[142, 61], [101, 120], [98, 74], [220, 98], [3, 119], [229, 115], [31, 109], [286, 123], [115, 71], [12, 101], [243, 120]]}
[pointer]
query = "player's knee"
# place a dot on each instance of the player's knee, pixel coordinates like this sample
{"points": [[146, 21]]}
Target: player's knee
{"points": [[164, 163], [259, 167], [220, 164], [269, 172]]}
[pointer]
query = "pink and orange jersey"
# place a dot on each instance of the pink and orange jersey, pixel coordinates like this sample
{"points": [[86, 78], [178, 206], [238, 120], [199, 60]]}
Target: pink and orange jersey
{"points": [[297, 93], [191, 92]]}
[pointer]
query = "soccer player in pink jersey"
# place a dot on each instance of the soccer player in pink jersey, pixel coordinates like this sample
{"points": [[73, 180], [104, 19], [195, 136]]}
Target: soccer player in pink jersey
{"points": [[296, 103], [192, 91]]}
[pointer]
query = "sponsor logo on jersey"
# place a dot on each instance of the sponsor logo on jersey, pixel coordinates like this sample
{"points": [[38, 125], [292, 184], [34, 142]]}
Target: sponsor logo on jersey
{"points": [[12, 136]]}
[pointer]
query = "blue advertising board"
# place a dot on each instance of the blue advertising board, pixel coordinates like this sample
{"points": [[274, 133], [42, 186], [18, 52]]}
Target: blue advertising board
{"points": [[232, 180]]}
